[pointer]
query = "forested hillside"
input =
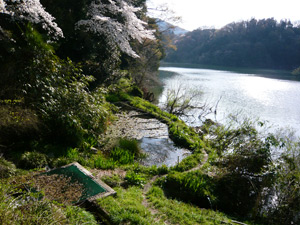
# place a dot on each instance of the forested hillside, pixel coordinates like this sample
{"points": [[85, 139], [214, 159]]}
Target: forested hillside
{"points": [[264, 43]]}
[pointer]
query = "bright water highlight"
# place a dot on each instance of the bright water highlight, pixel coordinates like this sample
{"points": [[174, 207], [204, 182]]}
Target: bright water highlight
{"points": [[273, 96]]}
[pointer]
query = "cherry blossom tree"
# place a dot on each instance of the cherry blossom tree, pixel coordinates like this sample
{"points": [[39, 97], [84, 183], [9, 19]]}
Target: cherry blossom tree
{"points": [[32, 11], [2, 6], [105, 19], [116, 20]]}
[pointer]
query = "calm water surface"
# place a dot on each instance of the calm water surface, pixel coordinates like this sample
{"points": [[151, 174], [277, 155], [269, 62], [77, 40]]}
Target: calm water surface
{"points": [[268, 95]]}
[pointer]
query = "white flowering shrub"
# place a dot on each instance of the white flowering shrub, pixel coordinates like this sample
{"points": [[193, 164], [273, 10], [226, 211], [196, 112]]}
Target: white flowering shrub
{"points": [[2, 7], [117, 21], [32, 11]]}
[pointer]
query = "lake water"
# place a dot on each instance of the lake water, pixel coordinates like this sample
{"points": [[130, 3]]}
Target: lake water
{"points": [[271, 96]]}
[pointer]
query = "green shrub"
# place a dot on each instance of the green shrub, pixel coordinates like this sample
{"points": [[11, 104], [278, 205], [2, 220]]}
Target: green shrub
{"points": [[162, 170], [135, 179], [122, 156], [112, 97], [31, 160], [136, 91], [113, 181], [178, 212], [193, 187], [73, 154], [77, 215], [189, 162], [126, 151], [102, 163], [58, 91], [61, 161], [7, 169], [130, 145], [17, 123]]}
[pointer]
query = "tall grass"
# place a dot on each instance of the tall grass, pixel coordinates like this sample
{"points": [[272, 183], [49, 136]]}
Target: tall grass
{"points": [[122, 156], [127, 208], [176, 212], [17, 207]]}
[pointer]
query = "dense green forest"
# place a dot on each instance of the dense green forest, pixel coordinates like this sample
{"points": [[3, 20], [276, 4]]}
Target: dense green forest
{"points": [[255, 43], [67, 68]]}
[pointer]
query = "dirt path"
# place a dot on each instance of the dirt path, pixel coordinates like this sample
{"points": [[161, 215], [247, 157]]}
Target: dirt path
{"points": [[145, 203], [200, 165]]}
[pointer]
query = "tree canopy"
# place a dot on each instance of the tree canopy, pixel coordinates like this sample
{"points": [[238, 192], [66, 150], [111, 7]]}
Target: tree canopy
{"points": [[50, 49], [255, 43]]}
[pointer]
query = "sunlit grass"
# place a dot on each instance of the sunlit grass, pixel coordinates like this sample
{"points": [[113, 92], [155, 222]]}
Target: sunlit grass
{"points": [[127, 207], [176, 212], [21, 207]]}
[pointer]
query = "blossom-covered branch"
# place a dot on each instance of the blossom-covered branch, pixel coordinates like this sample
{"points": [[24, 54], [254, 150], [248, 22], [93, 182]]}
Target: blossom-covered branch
{"points": [[2, 7], [33, 11], [117, 33]]}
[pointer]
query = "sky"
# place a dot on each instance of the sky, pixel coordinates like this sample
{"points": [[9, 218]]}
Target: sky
{"points": [[218, 13]]}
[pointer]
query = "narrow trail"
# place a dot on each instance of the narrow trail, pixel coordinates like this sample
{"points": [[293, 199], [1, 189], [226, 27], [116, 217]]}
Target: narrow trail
{"points": [[148, 186], [134, 125], [154, 212], [201, 164]]}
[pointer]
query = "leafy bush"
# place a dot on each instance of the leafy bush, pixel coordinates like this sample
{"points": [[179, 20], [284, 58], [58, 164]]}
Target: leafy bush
{"points": [[7, 169], [113, 181], [130, 145], [189, 162], [70, 110], [126, 151], [239, 195], [283, 206], [102, 163], [73, 154], [194, 187], [16, 122], [55, 90], [135, 179], [162, 170], [178, 212], [31, 160], [122, 156]]}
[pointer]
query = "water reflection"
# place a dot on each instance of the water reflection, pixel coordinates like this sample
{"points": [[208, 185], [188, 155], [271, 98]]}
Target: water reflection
{"points": [[264, 90], [269, 98], [162, 151]]}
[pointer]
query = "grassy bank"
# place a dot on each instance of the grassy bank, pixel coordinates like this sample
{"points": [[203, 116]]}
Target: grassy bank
{"points": [[183, 194]]}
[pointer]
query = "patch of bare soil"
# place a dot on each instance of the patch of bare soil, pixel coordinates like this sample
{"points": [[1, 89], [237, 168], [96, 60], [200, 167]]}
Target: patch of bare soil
{"points": [[133, 125], [98, 174]]}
